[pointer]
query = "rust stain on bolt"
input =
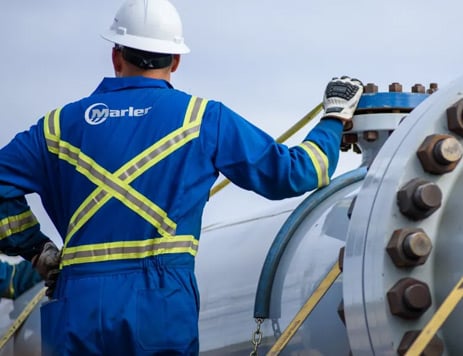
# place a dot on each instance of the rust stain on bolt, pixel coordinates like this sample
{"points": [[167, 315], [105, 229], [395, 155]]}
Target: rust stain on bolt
{"points": [[419, 198], [433, 87], [454, 117], [409, 247], [370, 88], [427, 196], [417, 297], [370, 136], [417, 245], [439, 154], [418, 88], [448, 150], [395, 87], [409, 298]]}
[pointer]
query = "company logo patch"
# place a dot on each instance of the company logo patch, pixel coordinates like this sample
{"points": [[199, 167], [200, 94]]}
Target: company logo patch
{"points": [[98, 113]]}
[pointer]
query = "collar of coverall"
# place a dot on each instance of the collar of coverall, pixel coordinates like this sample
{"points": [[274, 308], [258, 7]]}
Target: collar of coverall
{"points": [[114, 84]]}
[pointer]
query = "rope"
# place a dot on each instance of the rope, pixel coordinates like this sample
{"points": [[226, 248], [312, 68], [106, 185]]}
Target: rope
{"points": [[22, 317]]}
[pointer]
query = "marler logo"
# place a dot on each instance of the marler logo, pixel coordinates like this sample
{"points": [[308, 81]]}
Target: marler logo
{"points": [[99, 112]]}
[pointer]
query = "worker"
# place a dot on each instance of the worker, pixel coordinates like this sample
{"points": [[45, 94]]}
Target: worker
{"points": [[17, 278], [125, 174]]}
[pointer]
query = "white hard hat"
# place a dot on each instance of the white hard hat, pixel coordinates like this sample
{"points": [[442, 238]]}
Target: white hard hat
{"points": [[148, 25]]}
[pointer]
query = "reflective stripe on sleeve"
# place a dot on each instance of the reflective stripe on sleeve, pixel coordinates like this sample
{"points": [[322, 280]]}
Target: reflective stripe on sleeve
{"points": [[122, 250], [195, 110], [17, 223], [319, 160], [52, 130]]}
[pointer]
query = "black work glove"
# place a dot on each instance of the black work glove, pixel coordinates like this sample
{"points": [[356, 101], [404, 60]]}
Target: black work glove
{"points": [[47, 265]]}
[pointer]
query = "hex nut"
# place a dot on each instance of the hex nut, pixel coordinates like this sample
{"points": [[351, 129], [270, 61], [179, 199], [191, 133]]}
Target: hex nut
{"points": [[439, 154], [370, 136], [409, 247], [435, 347], [455, 117], [418, 88], [370, 88], [395, 87], [433, 87], [419, 198], [409, 298]]}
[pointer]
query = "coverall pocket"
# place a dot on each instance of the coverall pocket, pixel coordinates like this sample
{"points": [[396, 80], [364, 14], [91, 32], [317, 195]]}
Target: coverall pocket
{"points": [[167, 319], [53, 318]]}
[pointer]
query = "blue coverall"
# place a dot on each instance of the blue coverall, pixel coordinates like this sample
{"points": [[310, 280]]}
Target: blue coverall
{"points": [[124, 175], [16, 278]]}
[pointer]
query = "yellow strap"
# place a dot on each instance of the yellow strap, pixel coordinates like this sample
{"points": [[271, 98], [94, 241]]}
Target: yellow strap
{"points": [[282, 138], [22, 317], [437, 320], [306, 309]]}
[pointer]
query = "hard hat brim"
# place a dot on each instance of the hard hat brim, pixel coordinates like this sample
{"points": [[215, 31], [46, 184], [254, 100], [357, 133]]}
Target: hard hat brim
{"points": [[146, 44]]}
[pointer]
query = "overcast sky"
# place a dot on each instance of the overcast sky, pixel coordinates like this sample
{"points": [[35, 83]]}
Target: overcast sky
{"points": [[268, 60]]}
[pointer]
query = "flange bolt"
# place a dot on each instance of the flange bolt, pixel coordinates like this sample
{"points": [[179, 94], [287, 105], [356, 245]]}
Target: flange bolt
{"points": [[455, 117], [439, 154], [409, 247], [417, 245], [409, 298], [419, 198]]}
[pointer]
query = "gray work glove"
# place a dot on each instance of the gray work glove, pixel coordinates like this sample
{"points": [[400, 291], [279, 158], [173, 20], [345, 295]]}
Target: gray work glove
{"points": [[47, 265], [341, 98]]}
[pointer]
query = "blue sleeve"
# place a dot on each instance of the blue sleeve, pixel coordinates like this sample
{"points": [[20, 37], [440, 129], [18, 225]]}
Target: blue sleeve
{"points": [[19, 229], [15, 279], [22, 162], [21, 170], [25, 277], [253, 160], [6, 271]]}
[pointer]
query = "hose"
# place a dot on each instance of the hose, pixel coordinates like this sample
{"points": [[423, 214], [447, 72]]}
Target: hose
{"points": [[283, 237]]}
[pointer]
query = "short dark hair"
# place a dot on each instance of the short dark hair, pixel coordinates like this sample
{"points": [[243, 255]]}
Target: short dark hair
{"points": [[144, 59]]}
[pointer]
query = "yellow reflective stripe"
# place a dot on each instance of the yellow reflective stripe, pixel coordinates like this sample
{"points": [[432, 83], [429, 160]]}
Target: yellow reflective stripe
{"points": [[141, 163], [195, 110], [127, 173], [122, 250], [52, 130], [9, 291], [117, 188], [319, 160], [17, 223]]}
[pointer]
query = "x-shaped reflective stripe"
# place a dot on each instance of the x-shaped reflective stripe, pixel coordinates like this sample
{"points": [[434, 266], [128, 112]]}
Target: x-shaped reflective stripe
{"points": [[116, 184], [14, 224], [319, 160]]}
